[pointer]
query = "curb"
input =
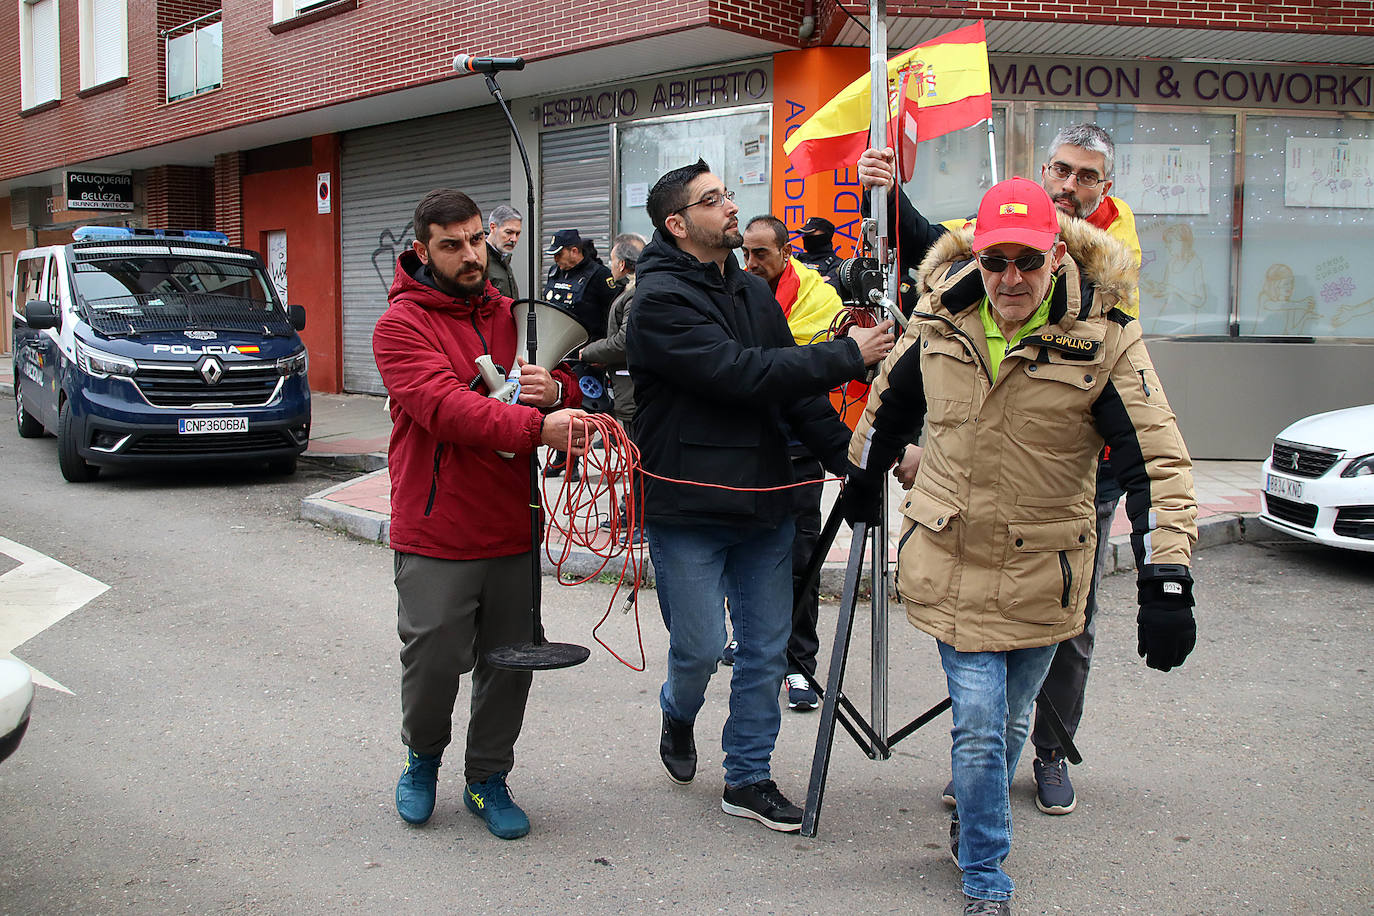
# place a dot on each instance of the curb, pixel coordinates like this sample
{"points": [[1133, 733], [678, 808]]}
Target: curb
{"points": [[375, 526], [364, 463]]}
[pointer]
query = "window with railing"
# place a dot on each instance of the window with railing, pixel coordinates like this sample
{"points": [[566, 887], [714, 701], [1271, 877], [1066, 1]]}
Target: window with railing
{"points": [[195, 56]]}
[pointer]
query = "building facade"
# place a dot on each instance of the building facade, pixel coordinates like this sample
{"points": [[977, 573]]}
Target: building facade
{"points": [[309, 130]]}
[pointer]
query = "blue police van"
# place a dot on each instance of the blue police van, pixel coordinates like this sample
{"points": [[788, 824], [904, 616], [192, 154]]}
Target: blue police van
{"points": [[146, 346]]}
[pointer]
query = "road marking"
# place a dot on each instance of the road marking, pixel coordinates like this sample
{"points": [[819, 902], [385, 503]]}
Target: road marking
{"points": [[37, 594]]}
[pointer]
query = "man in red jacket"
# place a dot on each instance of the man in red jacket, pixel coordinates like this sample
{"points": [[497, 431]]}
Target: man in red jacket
{"points": [[460, 518]]}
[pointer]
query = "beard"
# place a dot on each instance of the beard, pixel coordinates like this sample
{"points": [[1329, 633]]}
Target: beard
{"points": [[450, 283], [722, 240], [1080, 209]]}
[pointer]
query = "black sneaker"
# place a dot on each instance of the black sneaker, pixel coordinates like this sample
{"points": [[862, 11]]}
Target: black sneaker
{"points": [[948, 796], [678, 749], [1053, 791], [954, 839], [727, 655], [800, 696], [975, 907], [764, 803]]}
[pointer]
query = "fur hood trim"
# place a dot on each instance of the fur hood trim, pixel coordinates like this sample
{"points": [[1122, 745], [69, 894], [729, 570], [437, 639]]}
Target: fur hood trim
{"points": [[1103, 261]]}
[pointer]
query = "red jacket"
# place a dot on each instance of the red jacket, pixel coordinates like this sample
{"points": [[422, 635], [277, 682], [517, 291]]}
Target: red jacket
{"points": [[452, 496]]}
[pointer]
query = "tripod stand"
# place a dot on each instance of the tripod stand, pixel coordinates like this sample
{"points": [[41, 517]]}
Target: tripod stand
{"points": [[836, 707]]}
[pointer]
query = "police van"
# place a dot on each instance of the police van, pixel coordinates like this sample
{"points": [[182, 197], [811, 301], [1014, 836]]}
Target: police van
{"points": [[145, 346]]}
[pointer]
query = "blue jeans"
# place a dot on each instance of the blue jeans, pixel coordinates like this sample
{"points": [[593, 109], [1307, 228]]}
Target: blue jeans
{"points": [[697, 567], [992, 694]]}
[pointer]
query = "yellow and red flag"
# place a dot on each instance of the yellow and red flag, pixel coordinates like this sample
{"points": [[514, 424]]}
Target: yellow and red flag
{"points": [[947, 88]]}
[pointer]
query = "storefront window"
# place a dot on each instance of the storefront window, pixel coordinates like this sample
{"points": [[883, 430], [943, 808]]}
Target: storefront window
{"points": [[1175, 170], [953, 171], [1309, 195], [736, 146]]}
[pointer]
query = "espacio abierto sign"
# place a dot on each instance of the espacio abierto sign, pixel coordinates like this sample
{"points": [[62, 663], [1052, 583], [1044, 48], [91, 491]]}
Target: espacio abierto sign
{"points": [[1195, 83], [701, 90]]}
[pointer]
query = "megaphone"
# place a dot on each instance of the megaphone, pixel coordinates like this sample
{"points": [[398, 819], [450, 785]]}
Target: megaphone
{"points": [[560, 333]]}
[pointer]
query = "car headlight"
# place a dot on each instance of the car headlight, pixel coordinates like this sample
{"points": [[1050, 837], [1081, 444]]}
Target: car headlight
{"points": [[295, 363], [1360, 467], [101, 364]]}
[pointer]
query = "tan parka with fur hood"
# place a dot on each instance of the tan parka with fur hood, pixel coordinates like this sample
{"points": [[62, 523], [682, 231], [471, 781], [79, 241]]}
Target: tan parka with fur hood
{"points": [[998, 536]]}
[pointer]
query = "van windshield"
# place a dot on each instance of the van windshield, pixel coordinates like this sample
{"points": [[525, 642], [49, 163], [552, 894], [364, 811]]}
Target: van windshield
{"points": [[133, 293]]}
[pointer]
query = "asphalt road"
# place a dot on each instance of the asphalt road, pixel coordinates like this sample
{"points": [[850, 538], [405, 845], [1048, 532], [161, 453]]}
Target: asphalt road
{"points": [[231, 743]]}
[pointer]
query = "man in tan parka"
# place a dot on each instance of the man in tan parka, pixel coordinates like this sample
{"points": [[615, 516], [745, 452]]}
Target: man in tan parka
{"points": [[1021, 364]]}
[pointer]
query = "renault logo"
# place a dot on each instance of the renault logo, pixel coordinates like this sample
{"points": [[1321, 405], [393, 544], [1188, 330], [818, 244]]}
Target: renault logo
{"points": [[211, 370]]}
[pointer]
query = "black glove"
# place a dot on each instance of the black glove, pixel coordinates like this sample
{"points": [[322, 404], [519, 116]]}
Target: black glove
{"points": [[1165, 624], [861, 500]]}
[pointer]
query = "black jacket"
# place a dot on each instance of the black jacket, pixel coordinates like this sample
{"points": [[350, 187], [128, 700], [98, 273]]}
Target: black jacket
{"points": [[716, 376], [587, 290]]}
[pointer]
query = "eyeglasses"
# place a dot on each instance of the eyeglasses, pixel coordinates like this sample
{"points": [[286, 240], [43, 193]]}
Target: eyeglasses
{"points": [[1064, 173], [1027, 262], [713, 199]]}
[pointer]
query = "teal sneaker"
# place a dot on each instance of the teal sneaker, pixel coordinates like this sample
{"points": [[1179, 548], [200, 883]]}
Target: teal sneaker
{"points": [[491, 801], [415, 789]]}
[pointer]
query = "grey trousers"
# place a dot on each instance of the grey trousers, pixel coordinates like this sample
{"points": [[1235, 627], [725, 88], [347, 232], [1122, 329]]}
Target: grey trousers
{"points": [[1067, 681], [449, 614]]}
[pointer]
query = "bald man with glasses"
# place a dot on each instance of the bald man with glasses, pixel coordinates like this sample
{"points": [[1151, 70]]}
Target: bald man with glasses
{"points": [[1077, 174]]}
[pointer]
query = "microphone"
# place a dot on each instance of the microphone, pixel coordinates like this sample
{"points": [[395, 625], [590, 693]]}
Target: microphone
{"points": [[469, 64]]}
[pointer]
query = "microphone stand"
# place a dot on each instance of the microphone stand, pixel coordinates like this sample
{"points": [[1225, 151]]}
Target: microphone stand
{"points": [[538, 654]]}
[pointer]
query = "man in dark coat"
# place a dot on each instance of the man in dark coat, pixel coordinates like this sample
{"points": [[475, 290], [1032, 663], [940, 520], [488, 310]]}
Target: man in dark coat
{"points": [[717, 375]]}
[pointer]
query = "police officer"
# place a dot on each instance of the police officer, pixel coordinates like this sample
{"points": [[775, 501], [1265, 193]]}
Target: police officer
{"points": [[579, 282], [818, 249]]}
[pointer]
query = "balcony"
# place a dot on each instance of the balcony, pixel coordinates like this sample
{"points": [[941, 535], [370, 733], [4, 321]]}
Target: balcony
{"points": [[195, 56]]}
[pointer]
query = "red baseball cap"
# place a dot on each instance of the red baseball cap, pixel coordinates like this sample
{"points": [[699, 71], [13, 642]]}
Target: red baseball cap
{"points": [[1018, 211]]}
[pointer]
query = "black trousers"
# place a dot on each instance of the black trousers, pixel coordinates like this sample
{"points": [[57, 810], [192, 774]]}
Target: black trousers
{"points": [[806, 509], [1067, 682]]}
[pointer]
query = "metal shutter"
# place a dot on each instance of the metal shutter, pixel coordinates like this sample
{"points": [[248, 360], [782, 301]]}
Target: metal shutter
{"points": [[107, 41], [44, 53], [575, 188], [383, 173]]}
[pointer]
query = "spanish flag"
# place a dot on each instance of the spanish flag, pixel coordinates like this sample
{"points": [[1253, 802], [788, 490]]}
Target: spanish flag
{"points": [[947, 88]]}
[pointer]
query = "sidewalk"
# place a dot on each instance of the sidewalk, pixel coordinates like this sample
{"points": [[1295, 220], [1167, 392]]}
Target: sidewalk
{"points": [[351, 431]]}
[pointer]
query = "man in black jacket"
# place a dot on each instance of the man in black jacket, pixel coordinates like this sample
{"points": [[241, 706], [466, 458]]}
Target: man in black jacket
{"points": [[716, 376]]}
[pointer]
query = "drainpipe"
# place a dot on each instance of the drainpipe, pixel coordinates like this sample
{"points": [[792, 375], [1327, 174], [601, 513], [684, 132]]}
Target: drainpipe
{"points": [[808, 23]]}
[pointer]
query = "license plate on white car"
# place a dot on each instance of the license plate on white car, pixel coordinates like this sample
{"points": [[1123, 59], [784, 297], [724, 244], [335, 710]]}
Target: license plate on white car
{"points": [[192, 426], [1282, 486]]}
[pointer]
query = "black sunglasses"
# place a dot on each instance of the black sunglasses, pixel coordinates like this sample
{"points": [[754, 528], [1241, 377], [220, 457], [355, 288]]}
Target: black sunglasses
{"points": [[1027, 262]]}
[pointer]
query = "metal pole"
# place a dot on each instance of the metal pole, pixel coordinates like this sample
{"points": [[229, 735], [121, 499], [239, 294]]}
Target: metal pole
{"points": [[878, 114], [992, 150]]}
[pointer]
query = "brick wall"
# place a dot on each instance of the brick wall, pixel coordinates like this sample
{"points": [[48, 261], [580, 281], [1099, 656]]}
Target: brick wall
{"points": [[228, 196], [179, 197], [384, 45], [1330, 17]]}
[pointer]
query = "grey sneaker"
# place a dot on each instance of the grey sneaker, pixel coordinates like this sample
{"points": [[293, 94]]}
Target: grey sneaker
{"points": [[948, 796], [975, 907], [1053, 791]]}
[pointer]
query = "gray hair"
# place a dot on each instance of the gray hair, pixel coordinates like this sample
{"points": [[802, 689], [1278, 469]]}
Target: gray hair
{"points": [[504, 214], [626, 248], [1089, 137]]}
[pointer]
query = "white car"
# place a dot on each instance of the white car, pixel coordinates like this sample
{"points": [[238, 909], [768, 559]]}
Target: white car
{"points": [[1319, 479], [16, 700]]}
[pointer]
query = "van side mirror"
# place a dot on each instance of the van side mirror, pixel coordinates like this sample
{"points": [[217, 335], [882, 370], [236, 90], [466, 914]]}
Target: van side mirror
{"points": [[41, 314], [296, 315]]}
